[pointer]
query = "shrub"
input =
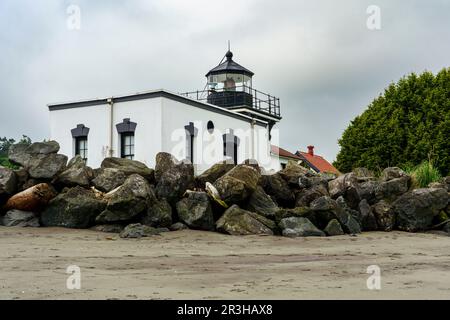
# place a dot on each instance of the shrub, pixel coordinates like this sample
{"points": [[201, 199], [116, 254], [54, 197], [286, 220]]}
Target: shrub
{"points": [[424, 174]]}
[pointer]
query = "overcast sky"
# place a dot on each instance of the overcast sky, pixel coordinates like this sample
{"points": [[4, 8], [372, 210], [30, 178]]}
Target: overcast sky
{"points": [[318, 56]]}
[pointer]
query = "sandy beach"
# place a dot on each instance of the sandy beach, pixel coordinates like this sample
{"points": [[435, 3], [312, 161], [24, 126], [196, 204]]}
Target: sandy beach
{"points": [[205, 265]]}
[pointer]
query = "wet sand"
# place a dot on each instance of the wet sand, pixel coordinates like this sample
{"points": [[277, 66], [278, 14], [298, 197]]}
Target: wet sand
{"points": [[204, 265]]}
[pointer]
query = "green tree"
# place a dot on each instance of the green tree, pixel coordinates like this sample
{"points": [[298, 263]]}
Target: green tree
{"points": [[5, 144], [405, 126]]}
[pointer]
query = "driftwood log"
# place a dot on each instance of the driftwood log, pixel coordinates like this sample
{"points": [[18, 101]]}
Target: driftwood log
{"points": [[33, 199]]}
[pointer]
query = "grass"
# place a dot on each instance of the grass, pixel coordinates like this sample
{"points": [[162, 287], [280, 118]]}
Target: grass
{"points": [[4, 162], [423, 174]]}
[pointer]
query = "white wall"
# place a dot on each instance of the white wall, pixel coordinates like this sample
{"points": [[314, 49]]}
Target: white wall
{"points": [[160, 127], [93, 117], [209, 147]]}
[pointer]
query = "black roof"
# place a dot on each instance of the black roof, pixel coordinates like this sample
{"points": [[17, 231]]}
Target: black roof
{"points": [[229, 66]]}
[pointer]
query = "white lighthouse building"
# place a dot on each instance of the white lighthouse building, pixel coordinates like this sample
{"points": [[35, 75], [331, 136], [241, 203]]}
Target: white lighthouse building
{"points": [[228, 120]]}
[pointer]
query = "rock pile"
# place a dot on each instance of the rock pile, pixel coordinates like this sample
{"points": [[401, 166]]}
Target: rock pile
{"points": [[127, 197]]}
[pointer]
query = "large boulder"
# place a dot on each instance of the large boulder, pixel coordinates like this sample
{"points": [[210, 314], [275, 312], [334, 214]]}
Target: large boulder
{"points": [[384, 215], [46, 166], [8, 182], [33, 199], [392, 173], [40, 159], [334, 228], [238, 184], [74, 208], [415, 210], [137, 230], [327, 209], [196, 211], [262, 204], [77, 173], [128, 201], [347, 186], [18, 218], [299, 227], [214, 173], [306, 196], [173, 177], [236, 221], [159, 214], [109, 228], [294, 174], [393, 188], [368, 220], [276, 187], [129, 167], [108, 179], [301, 212], [20, 154], [368, 191]]}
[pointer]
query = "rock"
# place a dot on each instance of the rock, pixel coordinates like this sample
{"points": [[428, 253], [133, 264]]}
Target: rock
{"points": [[415, 210], [236, 221], [75, 208], [392, 173], [276, 187], [328, 209], [178, 226], [20, 154], [334, 228], [437, 185], [293, 173], [108, 179], [173, 177], [159, 214], [137, 230], [8, 182], [299, 227], [195, 211], [384, 216], [237, 184], [44, 166], [33, 199], [22, 178], [339, 186], [446, 228], [214, 173], [18, 218], [446, 181], [109, 228], [323, 204], [128, 201], [354, 213], [262, 204], [367, 190], [391, 189], [363, 173], [306, 196], [129, 167], [299, 212], [368, 220], [76, 173]]}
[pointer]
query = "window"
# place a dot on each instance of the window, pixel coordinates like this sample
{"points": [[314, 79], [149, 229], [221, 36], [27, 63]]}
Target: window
{"points": [[191, 133], [80, 138], [127, 145], [126, 131], [81, 147], [210, 127], [230, 146]]}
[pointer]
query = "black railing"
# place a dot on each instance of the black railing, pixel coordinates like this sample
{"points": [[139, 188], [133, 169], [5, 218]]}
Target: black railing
{"points": [[237, 97]]}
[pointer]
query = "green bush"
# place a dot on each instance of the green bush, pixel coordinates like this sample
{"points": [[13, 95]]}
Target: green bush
{"points": [[423, 174], [402, 127]]}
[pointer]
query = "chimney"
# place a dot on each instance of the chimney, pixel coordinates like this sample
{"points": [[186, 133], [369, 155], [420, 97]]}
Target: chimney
{"points": [[311, 150]]}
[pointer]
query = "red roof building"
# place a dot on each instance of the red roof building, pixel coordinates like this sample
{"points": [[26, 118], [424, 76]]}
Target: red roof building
{"points": [[316, 162]]}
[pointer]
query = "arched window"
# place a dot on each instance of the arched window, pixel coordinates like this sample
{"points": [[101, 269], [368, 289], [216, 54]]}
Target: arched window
{"points": [[126, 131], [191, 133], [80, 138], [230, 146]]}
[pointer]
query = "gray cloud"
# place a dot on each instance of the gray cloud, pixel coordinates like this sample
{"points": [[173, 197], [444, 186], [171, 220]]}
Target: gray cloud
{"points": [[317, 56]]}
